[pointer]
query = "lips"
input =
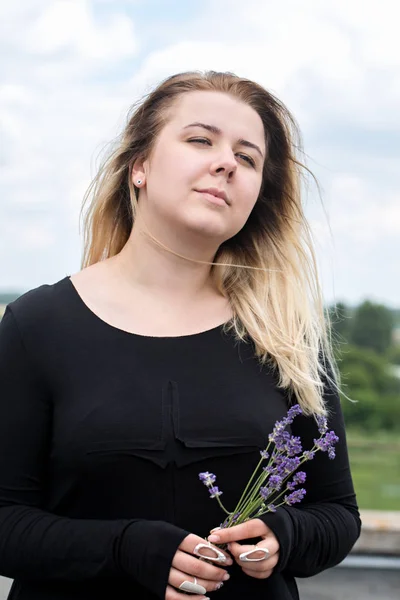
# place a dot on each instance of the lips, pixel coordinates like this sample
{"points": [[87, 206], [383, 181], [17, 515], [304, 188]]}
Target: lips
{"points": [[215, 192]]}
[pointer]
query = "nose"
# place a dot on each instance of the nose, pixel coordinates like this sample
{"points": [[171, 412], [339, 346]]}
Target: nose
{"points": [[224, 162]]}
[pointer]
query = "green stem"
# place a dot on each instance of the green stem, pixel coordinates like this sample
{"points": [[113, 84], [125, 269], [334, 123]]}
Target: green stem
{"points": [[251, 505], [222, 506], [242, 500]]}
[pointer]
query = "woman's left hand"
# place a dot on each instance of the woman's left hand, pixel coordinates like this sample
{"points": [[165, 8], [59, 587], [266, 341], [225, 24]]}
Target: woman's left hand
{"points": [[251, 529]]}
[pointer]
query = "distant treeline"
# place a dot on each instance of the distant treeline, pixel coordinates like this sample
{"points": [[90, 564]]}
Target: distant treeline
{"points": [[367, 348]]}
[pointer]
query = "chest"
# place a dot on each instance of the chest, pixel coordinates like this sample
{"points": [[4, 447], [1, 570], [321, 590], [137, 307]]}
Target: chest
{"points": [[148, 397]]}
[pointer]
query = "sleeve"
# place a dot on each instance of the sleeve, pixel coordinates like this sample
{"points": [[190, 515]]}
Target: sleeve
{"points": [[319, 533], [35, 544]]}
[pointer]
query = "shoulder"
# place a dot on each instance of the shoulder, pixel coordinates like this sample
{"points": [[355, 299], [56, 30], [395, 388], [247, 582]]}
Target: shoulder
{"points": [[39, 305]]}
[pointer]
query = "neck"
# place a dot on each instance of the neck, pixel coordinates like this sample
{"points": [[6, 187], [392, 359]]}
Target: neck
{"points": [[143, 263]]}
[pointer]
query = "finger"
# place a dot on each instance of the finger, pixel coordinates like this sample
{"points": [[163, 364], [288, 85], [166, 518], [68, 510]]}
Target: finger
{"points": [[191, 541], [250, 529], [176, 578], [196, 567], [257, 555], [172, 594], [269, 542], [267, 563]]}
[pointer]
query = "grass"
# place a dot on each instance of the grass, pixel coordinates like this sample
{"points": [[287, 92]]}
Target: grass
{"points": [[375, 465]]}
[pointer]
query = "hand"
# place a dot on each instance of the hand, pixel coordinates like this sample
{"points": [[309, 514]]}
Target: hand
{"points": [[251, 529], [186, 566]]}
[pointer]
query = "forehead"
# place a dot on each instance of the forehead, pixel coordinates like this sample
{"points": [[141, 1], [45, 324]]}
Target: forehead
{"points": [[232, 116]]}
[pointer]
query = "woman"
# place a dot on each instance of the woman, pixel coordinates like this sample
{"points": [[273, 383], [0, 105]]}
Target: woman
{"points": [[196, 319]]}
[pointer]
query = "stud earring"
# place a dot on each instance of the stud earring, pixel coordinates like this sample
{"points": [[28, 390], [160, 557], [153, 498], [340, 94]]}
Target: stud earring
{"points": [[139, 181]]}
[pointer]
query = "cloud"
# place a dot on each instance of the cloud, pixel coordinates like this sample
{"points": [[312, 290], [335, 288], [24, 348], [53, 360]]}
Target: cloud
{"points": [[71, 69], [70, 26]]}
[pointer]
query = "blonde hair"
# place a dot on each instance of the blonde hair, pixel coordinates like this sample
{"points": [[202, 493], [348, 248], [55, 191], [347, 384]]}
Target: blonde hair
{"points": [[268, 270]]}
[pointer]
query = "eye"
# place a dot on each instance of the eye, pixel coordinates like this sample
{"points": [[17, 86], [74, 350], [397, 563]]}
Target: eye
{"points": [[248, 159], [200, 140]]}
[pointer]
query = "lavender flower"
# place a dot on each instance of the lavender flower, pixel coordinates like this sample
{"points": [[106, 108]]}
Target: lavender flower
{"points": [[296, 496], [269, 469], [288, 465], [326, 442], [274, 485], [293, 446], [207, 478], [293, 412], [214, 491], [322, 424], [275, 482], [272, 480], [299, 477], [308, 455]]}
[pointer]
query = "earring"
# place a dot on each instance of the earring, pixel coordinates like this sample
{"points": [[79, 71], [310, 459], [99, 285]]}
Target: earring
{"points": [[139, 181]]}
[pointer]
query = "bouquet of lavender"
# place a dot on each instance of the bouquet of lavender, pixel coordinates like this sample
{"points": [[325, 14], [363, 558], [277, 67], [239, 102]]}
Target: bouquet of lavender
{"points": [[277, 483]]}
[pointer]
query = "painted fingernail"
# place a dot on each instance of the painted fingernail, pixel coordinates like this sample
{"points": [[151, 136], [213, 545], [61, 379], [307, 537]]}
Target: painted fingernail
{"points": [[226, 577], [219, 585], [213, 538]]}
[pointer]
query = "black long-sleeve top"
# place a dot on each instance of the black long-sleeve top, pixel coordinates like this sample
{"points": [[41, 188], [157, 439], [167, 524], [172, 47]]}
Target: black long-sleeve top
{"points": [[102, 436]]}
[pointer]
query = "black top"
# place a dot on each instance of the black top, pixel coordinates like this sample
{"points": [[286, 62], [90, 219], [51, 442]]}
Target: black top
{"points": [[102, 436]]}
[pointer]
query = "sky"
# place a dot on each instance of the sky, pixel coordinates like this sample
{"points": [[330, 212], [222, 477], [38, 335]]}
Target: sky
{"points": [[71, 69]]}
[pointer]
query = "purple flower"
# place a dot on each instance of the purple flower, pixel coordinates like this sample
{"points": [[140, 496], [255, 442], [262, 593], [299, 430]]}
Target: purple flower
{"points": [[293, 446], [279, 436], [265, 492], [207, 478], [275, 482], [270, 469], [299, 477], [284, 461], [293, 412], [308, 455], [327, 441], [235, 517], [296, 496], [288, 465], [322, 424], [214, 492]]}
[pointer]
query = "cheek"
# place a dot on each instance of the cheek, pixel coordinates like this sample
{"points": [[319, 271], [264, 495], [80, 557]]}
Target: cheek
{"points": [[248, 199]]}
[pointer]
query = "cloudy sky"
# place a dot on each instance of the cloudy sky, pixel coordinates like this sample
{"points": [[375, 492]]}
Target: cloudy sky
{"points": [[70, 70]]}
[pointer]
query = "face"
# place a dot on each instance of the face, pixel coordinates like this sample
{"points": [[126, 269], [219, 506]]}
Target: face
{"points": [[211, 141]]}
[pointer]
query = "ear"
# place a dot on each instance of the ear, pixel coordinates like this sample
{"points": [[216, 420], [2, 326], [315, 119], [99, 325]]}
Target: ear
{"points": [[138, 171]]}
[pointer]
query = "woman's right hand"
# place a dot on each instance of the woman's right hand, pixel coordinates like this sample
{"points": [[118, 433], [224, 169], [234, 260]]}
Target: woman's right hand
{"points": [[186, 566]]}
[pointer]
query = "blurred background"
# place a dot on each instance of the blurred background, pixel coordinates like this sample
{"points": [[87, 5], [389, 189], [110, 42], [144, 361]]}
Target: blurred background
{"points": [[69, 72]]}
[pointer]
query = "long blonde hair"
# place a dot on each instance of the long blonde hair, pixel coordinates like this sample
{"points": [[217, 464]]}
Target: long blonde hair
{"points": [[268, 270]]}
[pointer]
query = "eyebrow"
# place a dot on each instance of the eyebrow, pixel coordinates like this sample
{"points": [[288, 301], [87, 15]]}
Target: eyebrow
{"points": [[217, 131]]}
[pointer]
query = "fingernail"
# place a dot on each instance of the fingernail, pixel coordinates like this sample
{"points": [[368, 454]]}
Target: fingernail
{"points": [[213, 538], [226, 577], [215, 529], [219, 585]]}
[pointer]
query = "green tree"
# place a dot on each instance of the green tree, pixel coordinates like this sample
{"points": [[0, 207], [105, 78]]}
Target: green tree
{"points": [[393, 355], [372, 326], [367, 380], [340, 320]]}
